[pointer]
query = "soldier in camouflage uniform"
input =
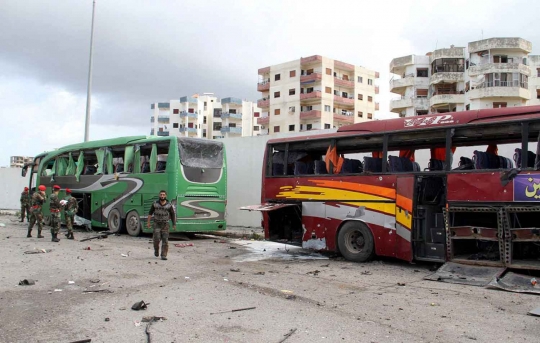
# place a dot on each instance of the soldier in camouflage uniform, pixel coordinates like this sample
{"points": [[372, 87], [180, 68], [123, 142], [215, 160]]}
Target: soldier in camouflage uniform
{"points": [[70, 210], [162, 210], [36, 216], [25, 205], [55, 207]]}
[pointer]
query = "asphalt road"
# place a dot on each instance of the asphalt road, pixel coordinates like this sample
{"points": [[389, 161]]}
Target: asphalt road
{"points": [[320, 299]]}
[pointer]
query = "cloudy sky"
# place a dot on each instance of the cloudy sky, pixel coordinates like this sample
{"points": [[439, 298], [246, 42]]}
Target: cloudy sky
{"points": [[154, 51]]}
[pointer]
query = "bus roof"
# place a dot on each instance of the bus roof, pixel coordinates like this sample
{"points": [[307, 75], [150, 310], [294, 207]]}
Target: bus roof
{"points": [[112, 142]]}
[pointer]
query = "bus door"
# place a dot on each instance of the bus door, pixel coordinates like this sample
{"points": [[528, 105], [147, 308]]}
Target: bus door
{"points": [[404, 216], [428, 230]]}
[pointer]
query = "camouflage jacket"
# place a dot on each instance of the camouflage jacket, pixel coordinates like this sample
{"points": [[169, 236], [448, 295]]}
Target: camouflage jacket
{"points": [[71, 206], [54, 202], [38, 198], [25, 199], [162, 213]]}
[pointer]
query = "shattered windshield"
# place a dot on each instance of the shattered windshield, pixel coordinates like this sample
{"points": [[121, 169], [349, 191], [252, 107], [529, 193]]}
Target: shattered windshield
{"points": [[200, 153]]}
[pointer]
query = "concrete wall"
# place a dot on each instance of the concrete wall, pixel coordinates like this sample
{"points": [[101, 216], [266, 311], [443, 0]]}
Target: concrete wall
{"points": [[11, 186]]}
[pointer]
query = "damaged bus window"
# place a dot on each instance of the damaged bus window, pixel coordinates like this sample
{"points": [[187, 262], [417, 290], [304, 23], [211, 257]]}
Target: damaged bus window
{"points": [[201, 160]]}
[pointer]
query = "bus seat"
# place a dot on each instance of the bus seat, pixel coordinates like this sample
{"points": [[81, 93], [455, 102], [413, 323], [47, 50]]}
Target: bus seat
{"points": [[465, 163], [145, 168], [505, 163], [161, 166], [300, 168], [416, 167], [372, 164], [277, 169], [435, 164], [119, 168], [320, 167], [310, 165], [531, 156], [90, 170], [347, 167], [400, 164], [357, 166]]}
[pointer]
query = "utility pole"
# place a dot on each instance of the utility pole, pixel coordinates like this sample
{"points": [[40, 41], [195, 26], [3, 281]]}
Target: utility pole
{"points": [[89, 90]]}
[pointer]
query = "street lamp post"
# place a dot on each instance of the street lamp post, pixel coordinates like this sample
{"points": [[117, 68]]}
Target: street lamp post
{"points": [[89, 90]]}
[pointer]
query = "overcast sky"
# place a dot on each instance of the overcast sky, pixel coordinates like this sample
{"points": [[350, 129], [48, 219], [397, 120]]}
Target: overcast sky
{"points": [[155, 51]]}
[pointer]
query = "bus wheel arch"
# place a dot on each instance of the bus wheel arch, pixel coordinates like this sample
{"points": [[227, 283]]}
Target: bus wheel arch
{"points": [[355, 241], [114, 221], [133, 223]]}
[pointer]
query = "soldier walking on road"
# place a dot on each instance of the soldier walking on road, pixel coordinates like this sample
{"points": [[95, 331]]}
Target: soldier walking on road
{"points": [[70, 210], [36, 216], [162, 210], [55, 207], [25, 205]]}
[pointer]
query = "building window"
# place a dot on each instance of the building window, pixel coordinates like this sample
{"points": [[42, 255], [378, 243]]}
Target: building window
{"points": [[360, 79], [277, 112], [309, 126], [326, 126], [291, 127], [538, 72], [175, 111], [370, 99], [292, 73], [277, 77], [205, 103], [216, 126], [276, 129], [255, 128], [204, 120], [256, 114], [421, 72], [327, 108], [360, 114], [328, 90], [328, 71], [360, 97], [292, 109], [421, 93], [276, 94], [420, 113], [370, 82], [292, 91], [175, 125], [467, 107], [538, 94], [499, 104], [369, 116]]}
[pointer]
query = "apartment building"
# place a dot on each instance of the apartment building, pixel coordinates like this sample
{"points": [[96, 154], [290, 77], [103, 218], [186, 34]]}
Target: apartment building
{"points": [[205, 116], [315, 93], [490, 73], [19, 161]]}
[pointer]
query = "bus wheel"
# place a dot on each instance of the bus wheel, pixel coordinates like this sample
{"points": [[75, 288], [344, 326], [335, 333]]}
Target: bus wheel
{"points": [[133, 224], [114, 221], [355, 242], [47, 220]]}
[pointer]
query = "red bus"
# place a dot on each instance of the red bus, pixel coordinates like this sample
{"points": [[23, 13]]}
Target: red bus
{"points": [[365, 190]]}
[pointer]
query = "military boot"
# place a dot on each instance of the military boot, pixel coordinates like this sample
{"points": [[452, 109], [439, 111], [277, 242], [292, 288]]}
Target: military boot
{"points": [[54, 237], [29, 234], [70, 235], [164, 251], [39, 234]]}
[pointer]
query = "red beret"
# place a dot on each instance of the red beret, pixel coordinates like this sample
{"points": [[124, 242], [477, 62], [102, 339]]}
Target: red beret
{"points": [[42, 188], [25, 188], [57, 187], [68, 190]]}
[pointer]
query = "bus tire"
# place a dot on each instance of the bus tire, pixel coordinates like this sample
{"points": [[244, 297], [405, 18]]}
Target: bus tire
{"points": [[355, 242], [133, 224], [114, 221]]}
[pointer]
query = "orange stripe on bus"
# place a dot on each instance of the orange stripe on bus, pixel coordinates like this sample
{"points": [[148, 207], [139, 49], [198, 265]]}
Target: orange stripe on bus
{"points": [[385, 192], [404, 203]]}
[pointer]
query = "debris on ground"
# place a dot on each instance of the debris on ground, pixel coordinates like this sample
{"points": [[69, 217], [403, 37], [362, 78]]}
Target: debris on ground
{"points": [[87, 248], [58, 290], [88, 340], [235, 269], [2, 224], [314, 272], [401, 284], [107, 319], [27, 282], [535, 312], [367, 272], [71, 282], [287, 335], [183, 245], [259, 273], [124, 255], [140, 305], [38, 251], [232, 247], [95, 280], [102, 236], [236, 310], [98, 291], [221, 241], [290, 297], [326, 265], [147, 319]]}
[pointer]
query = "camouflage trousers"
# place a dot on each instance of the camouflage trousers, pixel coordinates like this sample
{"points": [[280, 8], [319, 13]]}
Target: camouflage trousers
{"points": [[36, 216], [161, 233], [69, 222], [55, 222], [25, 212]]}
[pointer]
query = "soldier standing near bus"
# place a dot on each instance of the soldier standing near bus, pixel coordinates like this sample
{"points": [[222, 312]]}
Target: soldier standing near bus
{"points": [[70, 210], [25, 205], [55, 207], [36, 216], [162, 210]]}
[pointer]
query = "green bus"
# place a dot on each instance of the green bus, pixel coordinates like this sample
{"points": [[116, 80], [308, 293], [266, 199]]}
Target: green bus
{"points": [[116, 181]]}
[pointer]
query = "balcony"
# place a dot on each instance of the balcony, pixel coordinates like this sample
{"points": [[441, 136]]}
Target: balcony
{"points": [[447, 53], [499, 68], [399, 105], [446, 99], [343, 66], [340, 82], [184, 114], [344, 101], [263, 103], [188, 99], [187, 129], [152, 132], [421, 104], [312, 95], [446, 77], [263, 120], [310, 59], [348, 118], [263, 86], [501, 43], [310, 114], [264, 70], [231, 115], [232, 100], [501, 89], [163, 133], [161, 106], [401, 62], [231, 129], [313, 77], [163, 119]]}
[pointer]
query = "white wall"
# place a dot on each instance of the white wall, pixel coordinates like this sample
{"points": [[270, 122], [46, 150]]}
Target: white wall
{"points": [[11, 186]]}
